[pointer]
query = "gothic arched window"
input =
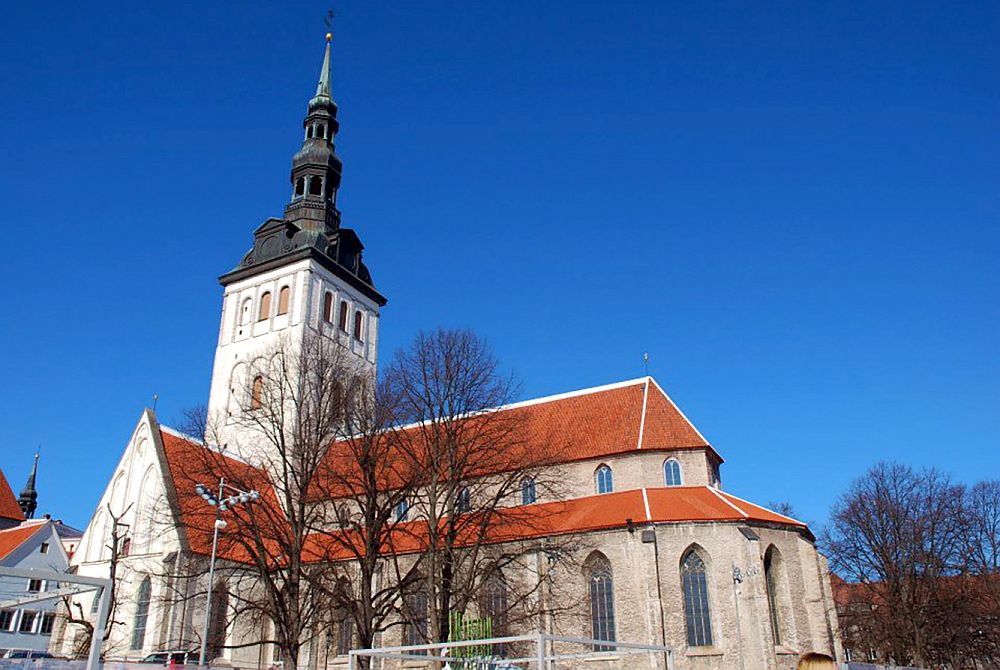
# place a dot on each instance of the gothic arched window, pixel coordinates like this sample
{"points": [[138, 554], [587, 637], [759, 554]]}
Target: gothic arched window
{"points": [[328, 307], [415, 631], [697, 613], [343, 315], [283, 295], [357, 324], [493, 604], [300, 186], [528, 493], [265, 307], [257, 392], [602, 600], [772, 568], [603, 479], [141, 615], [463, 504], [402, 509], [671, 472]]}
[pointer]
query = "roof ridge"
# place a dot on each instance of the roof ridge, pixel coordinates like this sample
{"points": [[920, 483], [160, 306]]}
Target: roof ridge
{"points": [[642, 419], [221, 451], [678, 409], [728, 502], [783, 516]]}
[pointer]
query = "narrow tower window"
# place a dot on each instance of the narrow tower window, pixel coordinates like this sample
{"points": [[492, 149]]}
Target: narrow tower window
{"points": [[257, 392], [265, 307], [322, 132], [343, 315], [300, 186], [328, 307], [357, 325], [283, 295]]}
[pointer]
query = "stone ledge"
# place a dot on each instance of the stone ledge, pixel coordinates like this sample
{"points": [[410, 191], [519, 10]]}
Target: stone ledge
{"points": [[704, 651]]}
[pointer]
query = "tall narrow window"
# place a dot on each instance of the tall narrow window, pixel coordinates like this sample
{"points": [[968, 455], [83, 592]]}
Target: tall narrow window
{"points": [[463, 504], [283, 295], [416, 619], [48, 620], [357, 325], [300, 186], [604, 480], [328, 307], [696, 610], [345, 634], [265, 307], [257, 392], [494, 605], [141, 615], [343, 315], [6, 619], [671, 472], [220, 613], [402, 509], [602, 601], [772, 566], [528, 494]]}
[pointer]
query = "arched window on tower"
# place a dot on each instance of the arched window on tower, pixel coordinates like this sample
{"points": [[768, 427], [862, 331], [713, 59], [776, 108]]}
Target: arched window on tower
{"points": [[257, 392], [328, 307], [343, 315], [697, 613], [671, 472], [315, 185], [309, 132], [603, 479], [322, 131], [283, 296], [602, 600], [300, 186], [141, 615], [265, 307], [247, 311], [357, 325]]}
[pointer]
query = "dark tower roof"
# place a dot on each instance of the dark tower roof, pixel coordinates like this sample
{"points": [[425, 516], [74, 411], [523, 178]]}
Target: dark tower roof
{"points": [[28, 500], [311, 226]]}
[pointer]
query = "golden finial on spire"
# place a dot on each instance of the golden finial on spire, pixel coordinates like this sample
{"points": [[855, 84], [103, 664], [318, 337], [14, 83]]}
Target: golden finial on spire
{"points": [[329, 36]]}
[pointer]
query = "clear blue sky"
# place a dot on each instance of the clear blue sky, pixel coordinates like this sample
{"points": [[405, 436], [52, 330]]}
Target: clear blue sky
{"points": [[793, 207]]}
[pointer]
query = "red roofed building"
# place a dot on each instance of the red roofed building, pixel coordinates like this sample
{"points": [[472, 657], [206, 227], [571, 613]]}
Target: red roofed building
{"points": [[662, 554], [10, 511]]}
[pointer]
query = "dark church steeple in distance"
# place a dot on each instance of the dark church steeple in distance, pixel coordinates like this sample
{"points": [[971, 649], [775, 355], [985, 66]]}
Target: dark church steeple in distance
{"points": [[28, 500]]}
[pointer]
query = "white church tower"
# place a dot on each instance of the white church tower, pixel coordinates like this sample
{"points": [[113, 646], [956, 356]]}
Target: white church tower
{"points": [[304, 273]]}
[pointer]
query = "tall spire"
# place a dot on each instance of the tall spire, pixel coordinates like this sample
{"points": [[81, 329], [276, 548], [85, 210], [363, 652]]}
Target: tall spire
{"points": [[323, 87], [28, 500]]}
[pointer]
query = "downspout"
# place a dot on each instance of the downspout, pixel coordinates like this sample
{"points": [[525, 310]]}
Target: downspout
{"points": [[659, 596]]}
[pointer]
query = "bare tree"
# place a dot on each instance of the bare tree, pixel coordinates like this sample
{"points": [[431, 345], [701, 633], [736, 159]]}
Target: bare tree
{"points": [[898, 533], [284, 415], [118, 546], [474, 459]]}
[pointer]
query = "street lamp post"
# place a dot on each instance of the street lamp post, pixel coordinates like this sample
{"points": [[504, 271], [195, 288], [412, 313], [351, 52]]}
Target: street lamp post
{"points": [[220, 504]]}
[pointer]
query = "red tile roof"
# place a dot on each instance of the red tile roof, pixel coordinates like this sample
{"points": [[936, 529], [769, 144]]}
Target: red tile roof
{"points": [[189, 464], [588, 424], [12, 538], [9, 509]]}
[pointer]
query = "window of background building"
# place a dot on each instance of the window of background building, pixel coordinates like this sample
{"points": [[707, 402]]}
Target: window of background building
{"points": [[27, 624]]}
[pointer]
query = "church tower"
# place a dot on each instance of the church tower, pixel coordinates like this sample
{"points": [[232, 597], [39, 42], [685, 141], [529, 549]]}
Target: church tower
{"points": [[304, 274]]}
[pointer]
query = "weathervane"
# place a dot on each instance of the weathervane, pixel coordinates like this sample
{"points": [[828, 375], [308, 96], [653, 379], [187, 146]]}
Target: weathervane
{"points": [[328, 22]]}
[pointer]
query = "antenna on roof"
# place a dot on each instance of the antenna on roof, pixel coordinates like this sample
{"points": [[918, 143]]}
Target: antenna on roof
{"points": [[645, 361]]}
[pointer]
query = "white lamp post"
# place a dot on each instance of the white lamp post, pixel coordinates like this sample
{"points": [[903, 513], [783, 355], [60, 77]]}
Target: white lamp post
{"points": [[220, 504]]}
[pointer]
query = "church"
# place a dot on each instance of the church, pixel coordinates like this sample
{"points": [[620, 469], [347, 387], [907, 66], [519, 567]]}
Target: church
{"points": [[666, 556]]}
